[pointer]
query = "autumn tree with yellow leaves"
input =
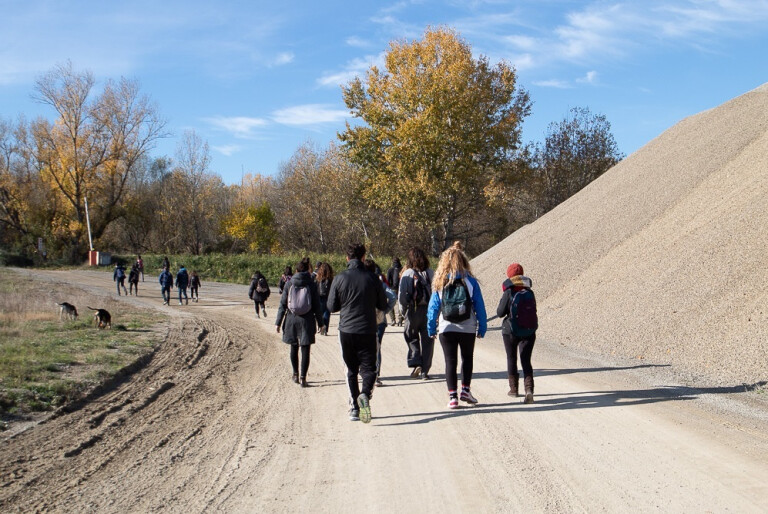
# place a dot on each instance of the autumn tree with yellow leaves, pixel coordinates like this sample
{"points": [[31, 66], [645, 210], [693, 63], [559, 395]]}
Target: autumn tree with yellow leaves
{"points": [[90, 149], [434, 121]]}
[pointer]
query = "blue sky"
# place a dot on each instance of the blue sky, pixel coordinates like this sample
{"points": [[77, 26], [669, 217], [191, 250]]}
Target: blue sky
{"points": [[258, 79]]}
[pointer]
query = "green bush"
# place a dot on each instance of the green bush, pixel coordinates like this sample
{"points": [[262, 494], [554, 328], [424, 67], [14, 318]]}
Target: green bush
{"points": [[236, 269]]}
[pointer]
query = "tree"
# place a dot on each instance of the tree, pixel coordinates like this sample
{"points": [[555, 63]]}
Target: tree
{"points": [[193, 200], [92, 148], [434, 121], [253, 225], [575, 152]]}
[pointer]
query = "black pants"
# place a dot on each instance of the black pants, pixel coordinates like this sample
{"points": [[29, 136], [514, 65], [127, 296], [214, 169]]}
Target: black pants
{"points": [[304, 359], [132, 286], [421, 347], [452, 342], [193, 292], [512, 345], [359, 354], [259, 304]]}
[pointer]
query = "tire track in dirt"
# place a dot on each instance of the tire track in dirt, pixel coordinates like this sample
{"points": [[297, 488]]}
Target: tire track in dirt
{"points": [[144, 422]]}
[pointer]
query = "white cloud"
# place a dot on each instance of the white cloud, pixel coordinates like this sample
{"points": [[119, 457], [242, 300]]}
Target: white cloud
{"points": [[227, 150], [558, 84], [357, 42], [283, 58], [589, 78], [354, 68], [309, 114], [598, 30], [239, 126]]}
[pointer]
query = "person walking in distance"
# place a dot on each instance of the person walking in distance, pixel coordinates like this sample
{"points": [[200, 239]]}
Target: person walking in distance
{"points": [[393, 279], [518, 330], [415, 290], [133, 280], [140, 266], [356, 293], [457, 314], [118, 276], [182, 282], [324, 278], [381, 316], [166, 284], [194, 286], [300, 313], [259, 292], [284, 278]]}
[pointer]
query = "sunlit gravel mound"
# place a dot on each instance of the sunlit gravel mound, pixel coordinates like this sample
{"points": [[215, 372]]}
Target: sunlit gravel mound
{"points": [[664, 258]]}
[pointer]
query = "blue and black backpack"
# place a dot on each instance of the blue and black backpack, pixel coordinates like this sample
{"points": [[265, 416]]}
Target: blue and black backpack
{"points": [[522, 313], [456, 302]]}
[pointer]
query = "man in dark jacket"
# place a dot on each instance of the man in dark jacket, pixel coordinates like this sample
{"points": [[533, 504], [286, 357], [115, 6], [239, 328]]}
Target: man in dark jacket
{"points": [[356, 293], [166, 283], [182, 282]]}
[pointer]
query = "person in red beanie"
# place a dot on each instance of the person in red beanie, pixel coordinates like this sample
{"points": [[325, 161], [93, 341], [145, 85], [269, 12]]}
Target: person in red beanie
{"points": [[518, 330]]}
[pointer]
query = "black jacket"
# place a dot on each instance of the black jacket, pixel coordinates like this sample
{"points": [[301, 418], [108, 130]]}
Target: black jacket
{"points": [[393, 277], [509, 288], [255, 295], [300, 329], [357, 293]]}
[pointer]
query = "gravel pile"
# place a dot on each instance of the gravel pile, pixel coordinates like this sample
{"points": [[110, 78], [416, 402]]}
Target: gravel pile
{"points": [[664, 258]]}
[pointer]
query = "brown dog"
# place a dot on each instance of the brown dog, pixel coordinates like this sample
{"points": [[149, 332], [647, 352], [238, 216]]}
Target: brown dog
{"points": [[102, 318], [67, 310]]}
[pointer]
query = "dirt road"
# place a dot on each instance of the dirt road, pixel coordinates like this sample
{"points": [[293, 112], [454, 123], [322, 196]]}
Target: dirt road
{"points": [[214, 424]]}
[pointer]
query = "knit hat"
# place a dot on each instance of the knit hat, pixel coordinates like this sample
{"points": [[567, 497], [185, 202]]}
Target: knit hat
{"points": [[514, 269]]}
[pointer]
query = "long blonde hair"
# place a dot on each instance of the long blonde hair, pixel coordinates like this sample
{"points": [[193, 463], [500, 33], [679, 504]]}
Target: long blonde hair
{"points": [[453, 261]]}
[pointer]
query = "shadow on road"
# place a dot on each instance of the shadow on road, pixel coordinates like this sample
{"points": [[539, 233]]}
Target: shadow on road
{"points": [[581, 400]]}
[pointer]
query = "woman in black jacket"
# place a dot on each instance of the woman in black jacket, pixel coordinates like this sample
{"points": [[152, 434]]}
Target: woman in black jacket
{"points": [[300, 313], [259, 292], [324, 278]]}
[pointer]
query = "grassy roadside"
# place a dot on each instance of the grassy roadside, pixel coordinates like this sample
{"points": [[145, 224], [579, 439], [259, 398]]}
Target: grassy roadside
{"points": [[46, 363], [236, 269]]}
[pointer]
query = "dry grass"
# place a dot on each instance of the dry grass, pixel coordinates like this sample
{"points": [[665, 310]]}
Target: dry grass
{"points": [[46, 362]]}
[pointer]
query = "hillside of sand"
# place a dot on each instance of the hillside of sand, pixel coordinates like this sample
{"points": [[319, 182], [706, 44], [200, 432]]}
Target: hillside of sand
{"points": [[664, 258]]}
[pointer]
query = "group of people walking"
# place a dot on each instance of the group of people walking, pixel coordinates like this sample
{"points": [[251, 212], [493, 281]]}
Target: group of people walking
{"points": [[184, 280], [446, 304]]}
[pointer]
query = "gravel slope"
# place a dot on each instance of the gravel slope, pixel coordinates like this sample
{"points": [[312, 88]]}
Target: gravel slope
{"points": [[663, 258]]}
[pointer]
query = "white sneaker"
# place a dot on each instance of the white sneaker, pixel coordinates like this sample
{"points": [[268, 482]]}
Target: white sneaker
{"points": [[466, 396]]}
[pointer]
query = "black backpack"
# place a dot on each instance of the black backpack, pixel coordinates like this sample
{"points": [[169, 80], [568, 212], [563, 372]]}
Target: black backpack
{"points": [[262, 286], [457, 303], [522, 313], [422, 289]]}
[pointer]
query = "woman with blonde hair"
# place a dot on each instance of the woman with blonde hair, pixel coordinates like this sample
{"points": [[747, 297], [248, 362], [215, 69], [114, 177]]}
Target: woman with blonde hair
{"points": [[457, 313]]}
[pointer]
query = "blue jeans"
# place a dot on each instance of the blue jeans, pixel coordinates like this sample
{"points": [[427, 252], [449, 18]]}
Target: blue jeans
{"points": [[183, 290]]}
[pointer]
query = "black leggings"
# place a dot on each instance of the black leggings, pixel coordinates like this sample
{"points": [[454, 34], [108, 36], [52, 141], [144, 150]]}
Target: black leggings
{"points": [[304, 359], [525, 346], [451, 343]]}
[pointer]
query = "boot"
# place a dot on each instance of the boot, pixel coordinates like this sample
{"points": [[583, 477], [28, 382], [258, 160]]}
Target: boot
{"points": [[303, 382], [295, 378], [514, 385], [528, 383]]}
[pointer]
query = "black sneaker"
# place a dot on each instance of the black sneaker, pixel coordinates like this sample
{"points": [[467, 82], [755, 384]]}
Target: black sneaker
{"points": [[354, 415], [424, 376], [365, 408]]}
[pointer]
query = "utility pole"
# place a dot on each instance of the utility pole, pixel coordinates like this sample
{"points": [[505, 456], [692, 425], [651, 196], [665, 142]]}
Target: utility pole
{"points": [[88, 222]]}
